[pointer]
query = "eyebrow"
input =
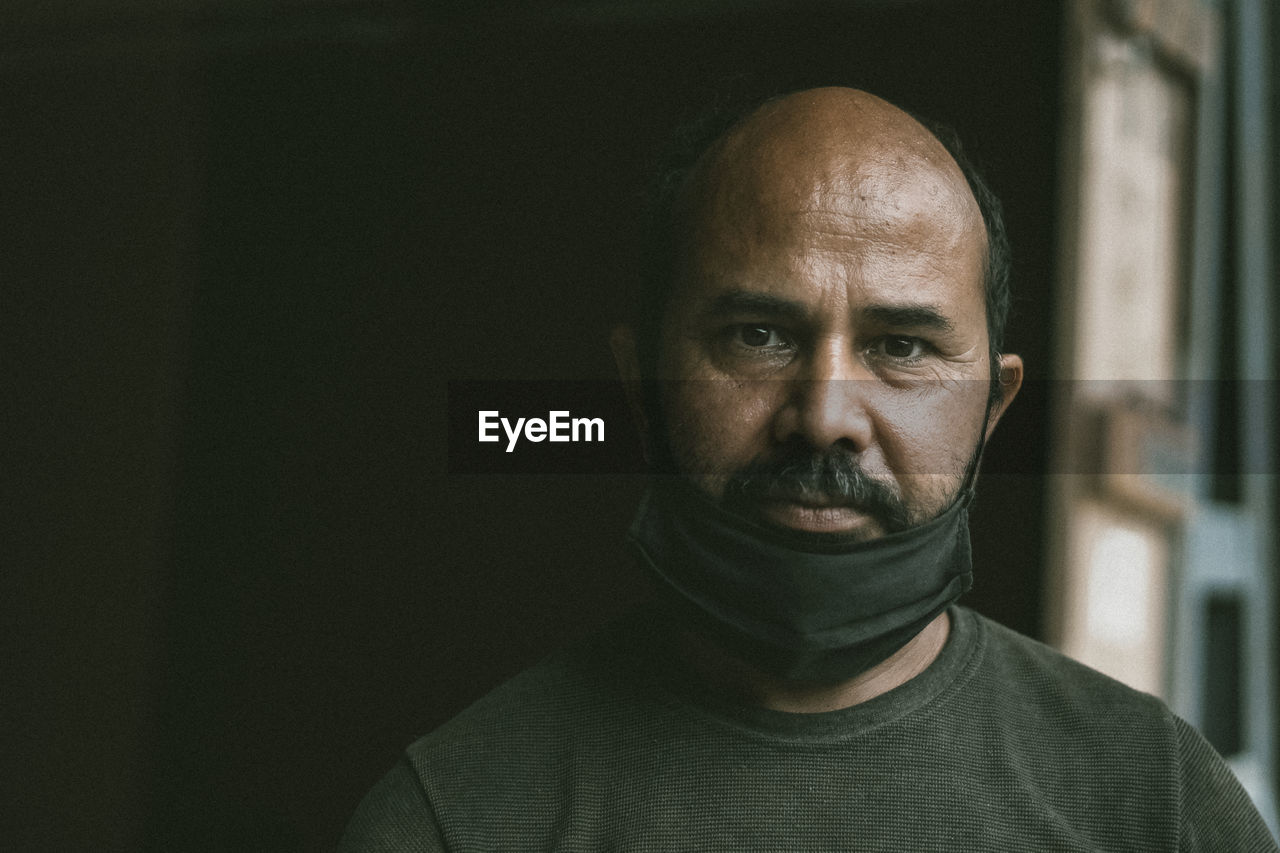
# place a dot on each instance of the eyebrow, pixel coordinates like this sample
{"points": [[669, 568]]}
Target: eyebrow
{"points": [[747, 302], [912, 315]]}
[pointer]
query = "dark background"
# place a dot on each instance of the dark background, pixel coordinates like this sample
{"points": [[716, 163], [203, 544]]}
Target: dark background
{"points": [[246, 247]]}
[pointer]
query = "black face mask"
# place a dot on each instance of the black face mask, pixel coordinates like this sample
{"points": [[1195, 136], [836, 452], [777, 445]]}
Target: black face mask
{"points": [[802, 606]]}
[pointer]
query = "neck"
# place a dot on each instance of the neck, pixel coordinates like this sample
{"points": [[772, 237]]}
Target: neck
{"points": [[734, 677]]}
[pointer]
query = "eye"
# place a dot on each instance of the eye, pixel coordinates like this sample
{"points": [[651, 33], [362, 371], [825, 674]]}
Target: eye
{"points": [[901, 347], [759, 336], [752, 348]]}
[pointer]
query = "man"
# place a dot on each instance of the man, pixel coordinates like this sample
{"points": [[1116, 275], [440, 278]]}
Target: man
{"points": [[823, 329]]}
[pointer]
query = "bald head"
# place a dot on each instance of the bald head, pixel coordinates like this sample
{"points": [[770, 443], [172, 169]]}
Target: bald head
{"points": [[799, 160], [819, 159]]}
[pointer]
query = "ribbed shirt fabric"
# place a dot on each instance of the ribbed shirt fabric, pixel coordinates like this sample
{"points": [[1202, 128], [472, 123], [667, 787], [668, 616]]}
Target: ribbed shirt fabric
{"points": [[1001, 744]]}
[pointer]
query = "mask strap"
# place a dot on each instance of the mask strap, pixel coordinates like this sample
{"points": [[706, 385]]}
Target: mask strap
{"points": [[967, 489]]}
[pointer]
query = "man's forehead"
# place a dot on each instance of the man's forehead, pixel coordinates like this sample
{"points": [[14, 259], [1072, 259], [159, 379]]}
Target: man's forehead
{"points": [[842, 134], [827, 153]]}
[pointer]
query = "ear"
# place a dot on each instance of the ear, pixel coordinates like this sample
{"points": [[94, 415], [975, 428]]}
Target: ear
{"points": [[1010, 381], [622, 340]]}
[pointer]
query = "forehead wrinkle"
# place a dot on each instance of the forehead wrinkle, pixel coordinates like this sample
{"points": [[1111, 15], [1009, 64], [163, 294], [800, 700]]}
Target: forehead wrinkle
{"points": [[845, 207], [873, 260]]}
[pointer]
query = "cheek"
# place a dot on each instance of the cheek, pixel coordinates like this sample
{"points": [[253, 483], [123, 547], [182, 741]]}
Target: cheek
{"points": [[929, 437], [717, 426]]}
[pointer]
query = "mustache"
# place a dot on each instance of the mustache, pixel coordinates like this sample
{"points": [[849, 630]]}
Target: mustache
{"points": [[811, 476]]}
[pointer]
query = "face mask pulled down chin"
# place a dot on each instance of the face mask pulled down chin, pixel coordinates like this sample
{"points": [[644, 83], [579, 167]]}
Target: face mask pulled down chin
{"points": [[799, 606]]}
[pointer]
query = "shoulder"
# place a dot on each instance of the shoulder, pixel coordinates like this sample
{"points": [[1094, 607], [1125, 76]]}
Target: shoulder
{"points": [[552, 704], [1216, 812], [511, 752], [502, 761], [394, 817], [1039, 709], [1023, 671], [1124, 746]]}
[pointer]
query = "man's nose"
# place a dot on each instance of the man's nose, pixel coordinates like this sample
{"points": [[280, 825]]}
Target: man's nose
{"points": [[830, 403]]}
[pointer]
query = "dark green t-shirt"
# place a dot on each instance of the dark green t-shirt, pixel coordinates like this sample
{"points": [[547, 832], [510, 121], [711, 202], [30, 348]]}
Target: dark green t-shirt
{"points": [[1001, 744]]}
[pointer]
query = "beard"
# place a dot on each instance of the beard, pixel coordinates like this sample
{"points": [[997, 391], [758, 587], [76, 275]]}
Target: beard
{"points": [[802, 474]]}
